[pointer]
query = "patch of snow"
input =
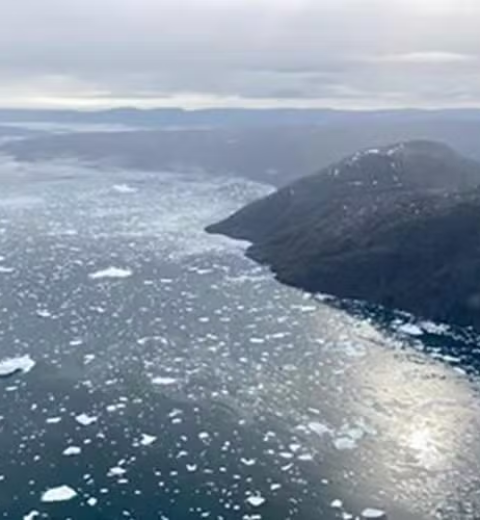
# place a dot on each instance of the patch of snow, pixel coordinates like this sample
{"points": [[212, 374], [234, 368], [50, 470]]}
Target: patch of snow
{"points": [[10, 366], [6, 270], [111, 272], [59, 494]]}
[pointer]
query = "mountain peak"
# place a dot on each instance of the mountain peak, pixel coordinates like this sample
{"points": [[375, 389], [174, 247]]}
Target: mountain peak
{"points": [[410, 164]]}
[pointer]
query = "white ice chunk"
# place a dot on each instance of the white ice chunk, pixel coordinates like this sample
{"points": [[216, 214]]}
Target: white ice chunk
{"points": [[166, 381], [147, 440], [72, 450], [53, 420], [116, 471], [337, 504], [256, 501], [10, 366], [86, 420], [410, 329], [345, 443], [372, 513], [318, 428], [111, 272], [31, 516], [59, 494], [248, 462], [123, 188]]}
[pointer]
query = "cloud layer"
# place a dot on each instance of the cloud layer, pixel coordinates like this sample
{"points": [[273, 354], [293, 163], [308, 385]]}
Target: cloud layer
{"points": [[343, 53]]}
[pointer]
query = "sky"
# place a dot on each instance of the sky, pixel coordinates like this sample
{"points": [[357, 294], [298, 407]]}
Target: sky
{"points": [[351, 54]]}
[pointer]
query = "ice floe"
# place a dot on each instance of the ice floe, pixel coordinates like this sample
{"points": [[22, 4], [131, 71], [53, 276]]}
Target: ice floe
{"points": [[164, 381], [373, 514], [85, 419], [72, 450], [124, 188], [111, 272], [256, 500], [59, 494], [147, 440], [10, 366]]}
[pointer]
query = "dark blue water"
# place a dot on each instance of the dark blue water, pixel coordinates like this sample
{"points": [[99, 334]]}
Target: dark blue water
{"points": [[174, 379]]}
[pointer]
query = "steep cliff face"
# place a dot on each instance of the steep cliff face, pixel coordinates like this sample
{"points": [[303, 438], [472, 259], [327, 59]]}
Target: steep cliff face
{"points": [[398, 226]]}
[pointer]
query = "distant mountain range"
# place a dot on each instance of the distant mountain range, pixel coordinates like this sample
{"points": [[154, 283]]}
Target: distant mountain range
{"points": [[271, 146], [229, 117], [396, 226]]}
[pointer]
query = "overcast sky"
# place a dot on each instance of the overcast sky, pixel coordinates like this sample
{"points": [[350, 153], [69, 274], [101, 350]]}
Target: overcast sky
{"points": [[334, 53]]}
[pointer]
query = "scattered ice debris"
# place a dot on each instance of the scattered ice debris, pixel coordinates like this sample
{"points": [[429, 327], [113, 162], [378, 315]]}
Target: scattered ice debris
{"points": [[147, 440], [124, 188], [354, 350], [191, 468], [372, 513], [11, 366], [411, 329], [256, 501], [72, 450], [86, 420], [337, 504], [59, 494], [111, 272], [319, 428], [92, 501], [435, 328], [348, 437], [166, 381], [345, 443]]}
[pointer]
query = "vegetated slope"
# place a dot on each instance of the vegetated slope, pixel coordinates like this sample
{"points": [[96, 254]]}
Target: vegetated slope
{"points": [[397, 226]]}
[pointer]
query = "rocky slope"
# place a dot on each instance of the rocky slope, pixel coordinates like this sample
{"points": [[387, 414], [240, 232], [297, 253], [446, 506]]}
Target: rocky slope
{"points": [[397, 226]]}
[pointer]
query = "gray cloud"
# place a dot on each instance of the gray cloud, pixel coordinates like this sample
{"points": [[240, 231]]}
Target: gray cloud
{"points": [[352, 53]]}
